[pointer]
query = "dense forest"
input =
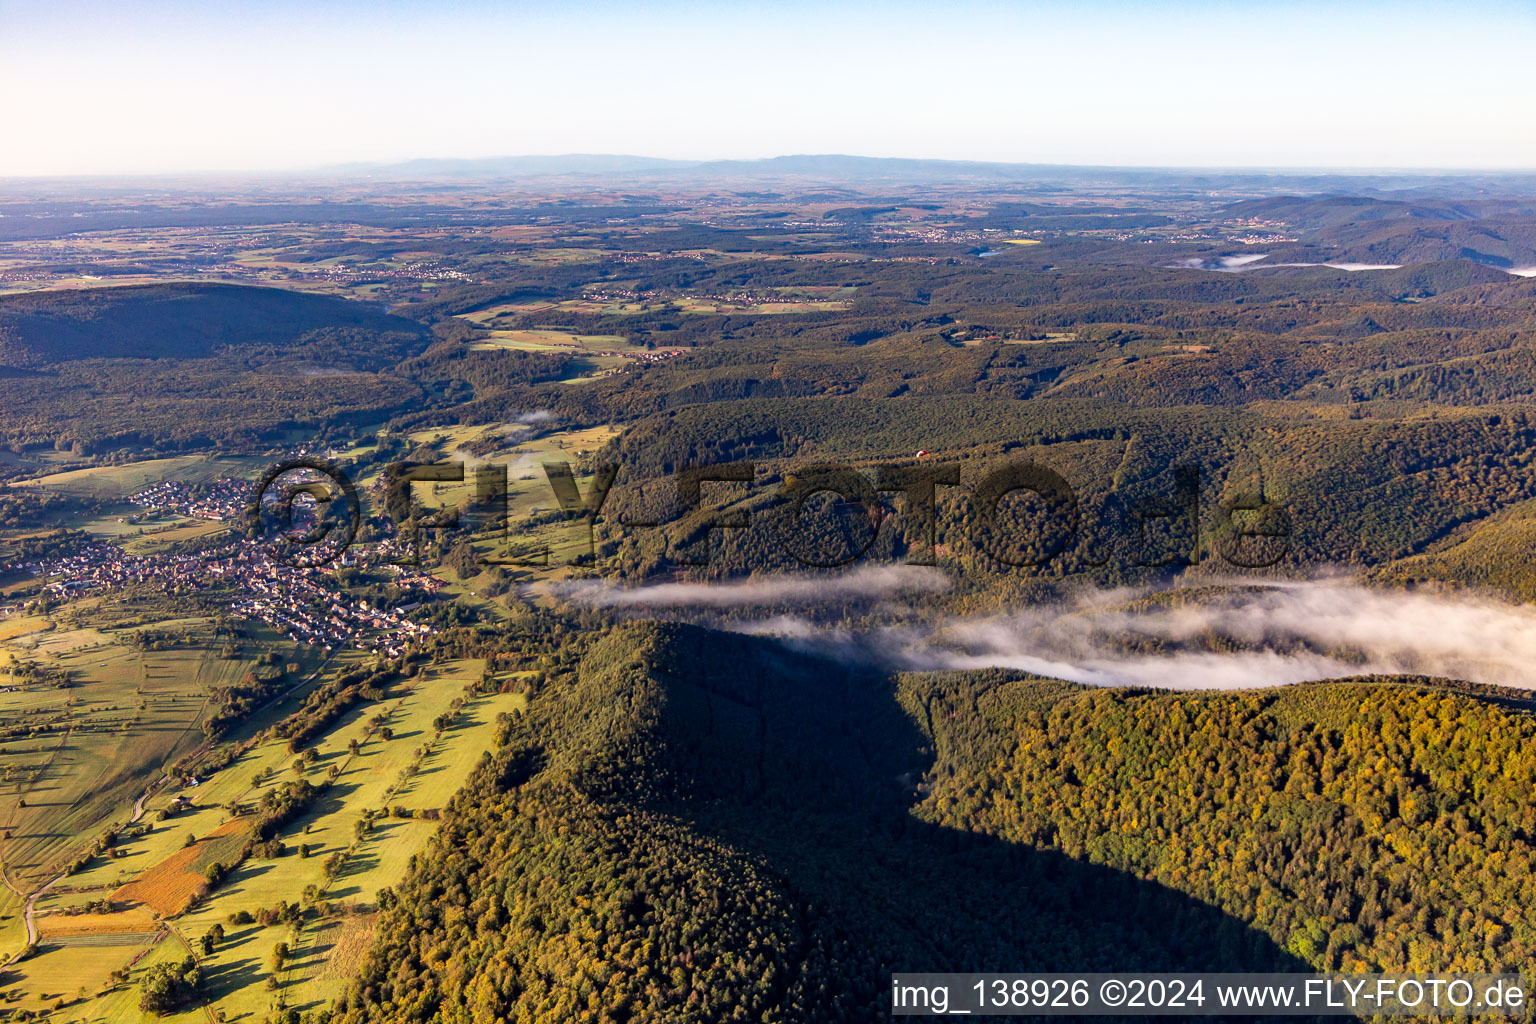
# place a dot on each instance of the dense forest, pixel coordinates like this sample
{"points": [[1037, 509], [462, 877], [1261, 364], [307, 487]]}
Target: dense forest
{"points": [[1034, 392], [700, 826]]}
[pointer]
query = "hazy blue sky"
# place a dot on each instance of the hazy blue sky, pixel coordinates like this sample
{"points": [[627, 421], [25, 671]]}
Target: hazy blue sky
{"points": [[105, 87]]}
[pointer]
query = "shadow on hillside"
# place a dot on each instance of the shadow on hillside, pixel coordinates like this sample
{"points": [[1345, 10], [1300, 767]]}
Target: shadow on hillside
{"points": [[225, 976], [362, 862], [251, 869], [802, 763]]}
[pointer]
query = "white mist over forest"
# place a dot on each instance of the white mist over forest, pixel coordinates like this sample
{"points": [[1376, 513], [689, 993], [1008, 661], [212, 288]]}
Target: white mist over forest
{"points": [[1243, 635]]}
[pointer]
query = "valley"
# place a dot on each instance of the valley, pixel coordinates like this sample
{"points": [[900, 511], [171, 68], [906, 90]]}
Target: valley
{"points": [[804, 578]]}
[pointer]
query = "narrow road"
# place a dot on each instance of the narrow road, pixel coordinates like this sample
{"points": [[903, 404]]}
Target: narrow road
{"points": [[31, 905], [138, 805]]}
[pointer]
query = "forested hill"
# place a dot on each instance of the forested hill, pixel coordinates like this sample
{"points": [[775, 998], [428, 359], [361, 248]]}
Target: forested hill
{"points": [[1496, 232], [694, 826], [150, 368], [1375, 825], [1317, 211], [195, 321]]}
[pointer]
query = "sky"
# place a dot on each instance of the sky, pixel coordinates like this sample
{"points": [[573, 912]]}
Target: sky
{"points": [[128, 87]]}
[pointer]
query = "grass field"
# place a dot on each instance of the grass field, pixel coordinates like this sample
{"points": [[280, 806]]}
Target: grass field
{"points": [[153, 543], [443, 771], [89, 999], [529, 495], [129, 714], [82, 756], [430, 749], [79, 757], [337, 949], [21, 625], [548, 340], [169, 886], [76, 975], [448, 439], [116, 523], [133, 921], [606, 308], [529, 490], [13, 929], [367, 781], [121, 481], [599, 353]]}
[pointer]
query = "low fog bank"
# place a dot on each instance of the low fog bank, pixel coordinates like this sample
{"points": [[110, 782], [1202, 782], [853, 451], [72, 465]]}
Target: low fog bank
{"points": [[1245, 636], [864, 584], [1232, 635]]}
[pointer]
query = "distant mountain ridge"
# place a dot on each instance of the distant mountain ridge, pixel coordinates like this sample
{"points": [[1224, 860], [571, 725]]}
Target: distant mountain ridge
{"points": [[575, 163], [847, 167]]}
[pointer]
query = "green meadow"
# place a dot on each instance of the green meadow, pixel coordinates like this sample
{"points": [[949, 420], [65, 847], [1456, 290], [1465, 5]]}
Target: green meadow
{"points": [[392, 765], [121, 481]]}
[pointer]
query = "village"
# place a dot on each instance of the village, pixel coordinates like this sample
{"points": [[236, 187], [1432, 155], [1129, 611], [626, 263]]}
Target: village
{"points": [[294, 601], [303, 603], [221, 501]]}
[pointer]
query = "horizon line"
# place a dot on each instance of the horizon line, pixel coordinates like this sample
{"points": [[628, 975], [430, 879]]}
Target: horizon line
{"points": [[369, 168]]}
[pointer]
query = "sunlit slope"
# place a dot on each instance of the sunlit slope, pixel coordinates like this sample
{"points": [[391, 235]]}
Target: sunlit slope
{"points": [[1357, 491], [699, 827]]}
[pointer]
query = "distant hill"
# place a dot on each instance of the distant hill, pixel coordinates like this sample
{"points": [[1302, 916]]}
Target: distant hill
{"points": [[576, 163], [184, 365], [195, 321], [1311, 212], [1503, 242], [850, 168], [1494, 232]]}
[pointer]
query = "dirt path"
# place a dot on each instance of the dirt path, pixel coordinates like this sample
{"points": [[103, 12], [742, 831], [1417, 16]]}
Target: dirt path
{"points": [[31, 900], [138, 805], [192, 952], [31, 905]]}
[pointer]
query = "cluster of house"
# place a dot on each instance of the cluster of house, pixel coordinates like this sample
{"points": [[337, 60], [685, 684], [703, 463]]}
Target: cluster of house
{"points": [[26, 274], [659, 257], [914, 232], [1218, 235], [422, 271], [223, 500], [1272, 239], [293, 601], [428, 270], [615, 295], [740, 298], [96, 565], [1256, 222], [659, 355]]}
